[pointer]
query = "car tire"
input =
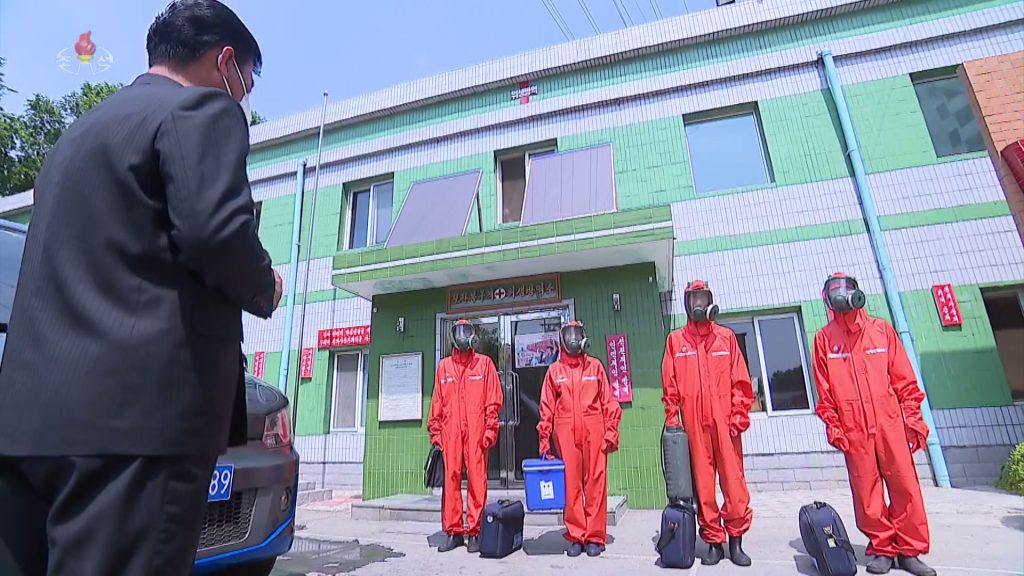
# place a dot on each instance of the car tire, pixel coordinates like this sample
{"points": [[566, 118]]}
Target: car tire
{"points": [[260, 568]]}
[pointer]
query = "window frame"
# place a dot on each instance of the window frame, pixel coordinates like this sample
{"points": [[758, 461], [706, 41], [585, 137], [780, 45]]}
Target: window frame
{"points": [[257, 214], [371, 221], [527, 154], [360, 400], [769, 409], [937, 75], [750, 109]]}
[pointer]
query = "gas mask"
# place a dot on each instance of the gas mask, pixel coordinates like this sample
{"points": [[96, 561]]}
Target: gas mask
{"points": [[463, 336], [700, 304], [574, 338], [842, 294]]}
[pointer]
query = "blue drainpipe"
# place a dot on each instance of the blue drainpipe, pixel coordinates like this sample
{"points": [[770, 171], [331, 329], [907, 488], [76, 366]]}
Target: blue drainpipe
{"points": [[892, 292], [293, 276]]}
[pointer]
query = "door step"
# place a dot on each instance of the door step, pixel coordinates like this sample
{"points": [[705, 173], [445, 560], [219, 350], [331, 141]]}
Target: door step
{"points": [[419, 508]]}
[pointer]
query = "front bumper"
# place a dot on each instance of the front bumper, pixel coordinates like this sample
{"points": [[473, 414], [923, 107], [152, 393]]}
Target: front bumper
{"points": [[257, 523]]}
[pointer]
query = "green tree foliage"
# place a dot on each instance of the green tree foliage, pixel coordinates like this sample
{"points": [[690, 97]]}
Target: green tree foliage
{"points": [[26, 138], [1012, 478], [256, 119]]}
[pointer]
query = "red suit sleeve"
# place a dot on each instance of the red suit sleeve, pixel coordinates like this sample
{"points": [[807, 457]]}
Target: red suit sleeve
{"points": [[742, 389], [547, 413], [669, 389], [611, 410], [494, 399], [904, 383], [436, 410], [826, 409]]}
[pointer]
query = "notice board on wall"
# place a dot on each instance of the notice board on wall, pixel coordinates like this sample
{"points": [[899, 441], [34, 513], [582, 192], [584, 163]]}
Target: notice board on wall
{"points": [[401, 387]]}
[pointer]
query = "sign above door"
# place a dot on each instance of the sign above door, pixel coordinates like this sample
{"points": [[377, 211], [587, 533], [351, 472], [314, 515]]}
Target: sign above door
{"points": [[511, 293]]}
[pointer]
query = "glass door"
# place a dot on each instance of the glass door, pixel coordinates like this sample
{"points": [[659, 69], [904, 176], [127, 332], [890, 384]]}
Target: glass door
{"points": [[533, 342]]}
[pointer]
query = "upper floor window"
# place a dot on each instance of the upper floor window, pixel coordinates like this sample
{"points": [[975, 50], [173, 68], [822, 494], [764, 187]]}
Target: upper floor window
{"points": [[513, 168], [774, 351], [727, 149], [370, 214], [947, 113]]}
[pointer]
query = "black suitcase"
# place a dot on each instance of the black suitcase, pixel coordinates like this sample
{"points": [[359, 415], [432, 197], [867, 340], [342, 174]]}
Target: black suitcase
{"points": [[677, 543], [826, 540], [433, 469], [502, 530], [675, 463]]}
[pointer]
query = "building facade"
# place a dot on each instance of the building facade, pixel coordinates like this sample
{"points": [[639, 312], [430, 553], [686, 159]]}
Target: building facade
{"points": [[593, 179]]}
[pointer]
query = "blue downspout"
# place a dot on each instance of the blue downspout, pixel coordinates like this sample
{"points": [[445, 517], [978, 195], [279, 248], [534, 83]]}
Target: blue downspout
{"points": [[293, 276], [892, 292]]}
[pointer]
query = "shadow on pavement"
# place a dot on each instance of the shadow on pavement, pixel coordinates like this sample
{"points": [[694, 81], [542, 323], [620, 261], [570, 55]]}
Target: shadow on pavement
{"points": [[551, 543], [436, 539], [1014, 521], [330, 558], [798, 545]]}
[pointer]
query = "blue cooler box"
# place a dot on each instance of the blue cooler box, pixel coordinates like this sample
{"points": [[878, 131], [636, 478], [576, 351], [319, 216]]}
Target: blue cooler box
{"points": [[545, 484]]}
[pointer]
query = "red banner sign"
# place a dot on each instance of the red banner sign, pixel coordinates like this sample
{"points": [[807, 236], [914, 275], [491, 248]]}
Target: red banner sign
{"points": [[343, 337], [618, 368], [947, 305], [259, 363], [306, 363]]}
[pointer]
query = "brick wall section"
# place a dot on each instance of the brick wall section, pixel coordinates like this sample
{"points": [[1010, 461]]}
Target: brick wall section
{"points": [[997, 88]]}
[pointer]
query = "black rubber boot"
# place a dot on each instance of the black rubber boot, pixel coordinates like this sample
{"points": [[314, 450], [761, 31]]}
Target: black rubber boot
{"points": [[453, 542], [473, 544], [880, 565], [593, 550], [915, 566], [575, 550], [736, 553], [715, 554]]}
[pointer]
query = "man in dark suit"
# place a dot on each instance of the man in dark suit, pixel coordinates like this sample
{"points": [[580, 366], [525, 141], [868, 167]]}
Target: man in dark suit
{"points": [[122, 364]]}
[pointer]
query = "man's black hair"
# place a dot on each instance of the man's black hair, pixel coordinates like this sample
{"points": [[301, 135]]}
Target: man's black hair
{"points": [[187, 29]]}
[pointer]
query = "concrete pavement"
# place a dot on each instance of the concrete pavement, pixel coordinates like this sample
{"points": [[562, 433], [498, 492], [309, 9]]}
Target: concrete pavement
{"points": [[973, 533]]}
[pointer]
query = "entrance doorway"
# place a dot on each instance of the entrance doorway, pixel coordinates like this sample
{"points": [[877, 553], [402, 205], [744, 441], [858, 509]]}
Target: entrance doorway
{"points": [[522, 346], [1005, 310]]}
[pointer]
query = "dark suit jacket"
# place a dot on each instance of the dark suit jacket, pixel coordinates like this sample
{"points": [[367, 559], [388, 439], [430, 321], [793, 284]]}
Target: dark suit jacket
{"points": [[142, 253]]}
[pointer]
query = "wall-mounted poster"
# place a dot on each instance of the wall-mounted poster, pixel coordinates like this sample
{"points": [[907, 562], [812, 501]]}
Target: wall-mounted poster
{"points": [[401, 387], [536, 350]]}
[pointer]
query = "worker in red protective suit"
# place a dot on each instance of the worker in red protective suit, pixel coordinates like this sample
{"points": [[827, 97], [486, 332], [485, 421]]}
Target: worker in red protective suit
{"points": [[870, 402], [577, 396], [464, 425], [704, 375]]}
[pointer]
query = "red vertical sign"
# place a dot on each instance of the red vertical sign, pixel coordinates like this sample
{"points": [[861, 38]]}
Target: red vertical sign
{"points": [[259, 363], [947, 305], [618, 367], [306, 363]]}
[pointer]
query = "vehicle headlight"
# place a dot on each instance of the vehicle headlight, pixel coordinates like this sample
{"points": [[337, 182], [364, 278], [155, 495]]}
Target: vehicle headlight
{"points": [[277, 433]]}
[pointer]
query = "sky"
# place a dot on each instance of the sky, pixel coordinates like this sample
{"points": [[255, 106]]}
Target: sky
{"points": [[345, 47]]}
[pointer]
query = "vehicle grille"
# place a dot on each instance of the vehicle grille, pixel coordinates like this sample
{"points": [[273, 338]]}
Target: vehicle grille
{"points": [[227, 522]]}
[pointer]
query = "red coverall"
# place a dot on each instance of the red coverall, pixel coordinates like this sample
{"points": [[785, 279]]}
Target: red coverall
{"points": [[577, 395], [870, 402], [464, 423], [704, 375]]}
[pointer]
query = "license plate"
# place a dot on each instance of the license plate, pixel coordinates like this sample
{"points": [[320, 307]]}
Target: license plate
{"points": [[220, 484]]}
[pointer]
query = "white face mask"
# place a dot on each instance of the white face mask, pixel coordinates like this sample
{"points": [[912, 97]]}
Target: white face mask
{"points": [[244, 103]]}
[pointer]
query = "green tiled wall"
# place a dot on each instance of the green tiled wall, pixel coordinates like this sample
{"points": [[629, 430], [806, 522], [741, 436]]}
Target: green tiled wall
{"points": [[890, 125], [877, 19], [488, 193], [276, 220], [804, 139], [961, 365], [395, 451], [651, 163]]}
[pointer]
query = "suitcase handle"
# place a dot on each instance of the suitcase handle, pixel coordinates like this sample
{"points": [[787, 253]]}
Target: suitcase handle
{"points": [[666, 537]]}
